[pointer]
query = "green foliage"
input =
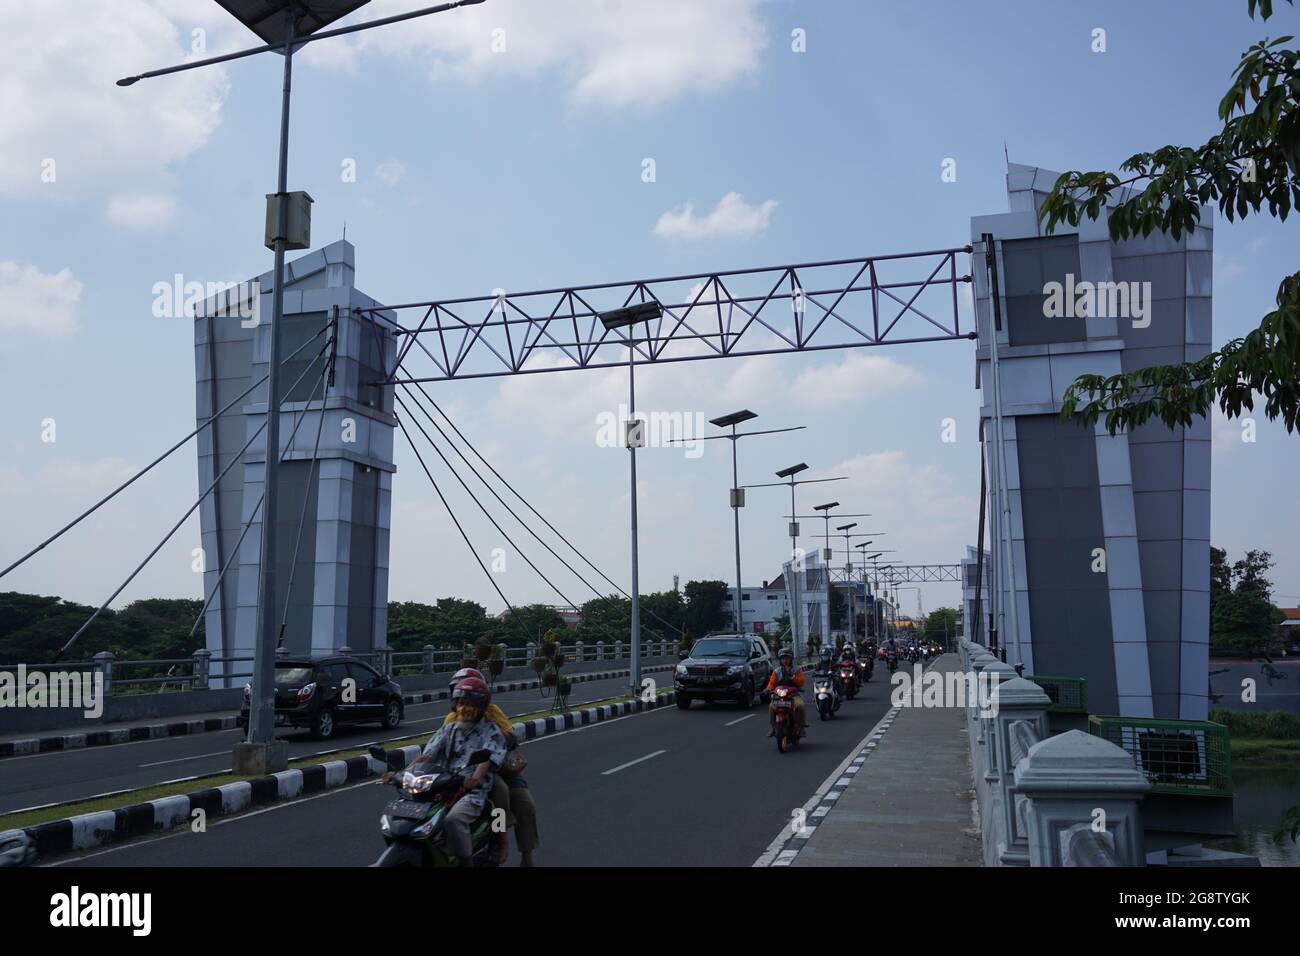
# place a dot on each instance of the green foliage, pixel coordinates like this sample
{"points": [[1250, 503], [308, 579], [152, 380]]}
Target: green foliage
{"points": [[703, 612], [1258, 724], [941, 623], [1253, 162], [1241, 612], [33, 628]]}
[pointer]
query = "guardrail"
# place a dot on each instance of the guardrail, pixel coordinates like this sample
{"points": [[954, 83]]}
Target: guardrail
{"points": [[204, 670], [1177, 756]]}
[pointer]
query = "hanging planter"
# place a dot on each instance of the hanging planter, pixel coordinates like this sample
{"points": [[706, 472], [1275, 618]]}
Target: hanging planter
{"points": [[548, 649], [558, 659], [538, 664], [548, 679], [483, 651], [495, 667]]}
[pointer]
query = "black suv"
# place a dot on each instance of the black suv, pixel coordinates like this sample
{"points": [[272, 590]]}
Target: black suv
{"points": [[321, 693], [723, 667]]}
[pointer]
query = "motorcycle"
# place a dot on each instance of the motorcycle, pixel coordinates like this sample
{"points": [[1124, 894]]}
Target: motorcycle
{"points": [[866, 667], [849, 678], [827, 694], [891, 658], [787, 723], [412, 823]]}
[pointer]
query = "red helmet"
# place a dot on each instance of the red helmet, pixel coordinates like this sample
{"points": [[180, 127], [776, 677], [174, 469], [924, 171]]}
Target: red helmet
{"points": [[464, 672], [473, 689]]}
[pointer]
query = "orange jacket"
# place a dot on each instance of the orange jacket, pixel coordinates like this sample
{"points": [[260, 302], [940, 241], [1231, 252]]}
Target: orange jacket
{"points": [[798, 678]]}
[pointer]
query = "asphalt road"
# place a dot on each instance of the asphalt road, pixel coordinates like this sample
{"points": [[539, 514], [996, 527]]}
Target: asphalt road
{"points": [[666, 787], [59, 776]]}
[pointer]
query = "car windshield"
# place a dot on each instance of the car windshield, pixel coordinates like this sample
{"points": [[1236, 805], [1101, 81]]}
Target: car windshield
{"points": [[718, 647], [295, 674]]}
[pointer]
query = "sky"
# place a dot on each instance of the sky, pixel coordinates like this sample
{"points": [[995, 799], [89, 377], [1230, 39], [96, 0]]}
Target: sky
{"points": [[505, 146]]}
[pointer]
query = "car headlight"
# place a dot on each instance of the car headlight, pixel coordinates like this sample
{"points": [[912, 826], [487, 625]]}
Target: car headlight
{"points": [[681, 670], [736, 669]]}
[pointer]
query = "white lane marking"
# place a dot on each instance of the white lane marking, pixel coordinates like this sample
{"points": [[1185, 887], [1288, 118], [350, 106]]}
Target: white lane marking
{"points": [[328, 793], [632, 763], [738, 720], [160, 763]]}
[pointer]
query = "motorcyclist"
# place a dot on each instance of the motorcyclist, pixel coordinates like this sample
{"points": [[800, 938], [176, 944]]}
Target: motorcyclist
{"points": [[509, 791], [468, 735], [787, 673]]}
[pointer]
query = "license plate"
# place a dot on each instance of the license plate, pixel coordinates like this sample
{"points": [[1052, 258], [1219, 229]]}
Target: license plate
{"points": [[782, 704], [408, 809]]}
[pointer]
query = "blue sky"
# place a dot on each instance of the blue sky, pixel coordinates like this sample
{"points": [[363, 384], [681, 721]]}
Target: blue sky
{"points": [[523, 169]]}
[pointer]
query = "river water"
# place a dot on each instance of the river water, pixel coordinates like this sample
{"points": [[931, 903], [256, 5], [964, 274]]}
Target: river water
{"points": [[1261, 796]]}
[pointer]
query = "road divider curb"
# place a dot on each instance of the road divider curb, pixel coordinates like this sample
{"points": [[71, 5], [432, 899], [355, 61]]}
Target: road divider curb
{"points": [[121, 735], [180, 728], [90, 830]]}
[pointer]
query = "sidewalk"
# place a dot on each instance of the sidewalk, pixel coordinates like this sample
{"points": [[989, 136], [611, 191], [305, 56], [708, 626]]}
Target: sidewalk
{"points": [[911, 801]]}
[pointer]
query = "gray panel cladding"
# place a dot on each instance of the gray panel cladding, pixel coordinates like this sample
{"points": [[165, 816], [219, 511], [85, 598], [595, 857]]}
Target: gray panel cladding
{"points": [[361, 570], [1029, 264], [1069, 604], [295, 559]]}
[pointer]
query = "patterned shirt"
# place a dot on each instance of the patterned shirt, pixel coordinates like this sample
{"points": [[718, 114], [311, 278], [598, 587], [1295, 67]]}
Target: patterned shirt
{"points": [[452, 748]]}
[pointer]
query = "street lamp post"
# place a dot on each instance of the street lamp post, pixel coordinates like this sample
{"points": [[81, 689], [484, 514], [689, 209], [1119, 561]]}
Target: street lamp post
{"points": [[737, 493], [625, 318], [284, 28]]}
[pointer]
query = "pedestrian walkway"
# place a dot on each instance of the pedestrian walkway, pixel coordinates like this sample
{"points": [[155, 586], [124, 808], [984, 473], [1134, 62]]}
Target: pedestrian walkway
{"points": [[910, 803]]}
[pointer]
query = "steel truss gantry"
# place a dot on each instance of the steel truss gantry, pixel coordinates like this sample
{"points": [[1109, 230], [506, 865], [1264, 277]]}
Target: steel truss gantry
{"points": [[812, 306]]}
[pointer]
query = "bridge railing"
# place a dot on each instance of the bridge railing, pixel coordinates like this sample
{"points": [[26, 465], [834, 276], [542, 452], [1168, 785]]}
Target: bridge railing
{"points": [[204, 670], [1048, 799]]}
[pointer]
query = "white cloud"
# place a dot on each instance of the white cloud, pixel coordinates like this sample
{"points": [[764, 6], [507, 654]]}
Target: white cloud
{"points": [[613, 53], [857, 376], [390, 171], [731, 218], [141, 210], [34, 300], [927, 520], [60, 105]]}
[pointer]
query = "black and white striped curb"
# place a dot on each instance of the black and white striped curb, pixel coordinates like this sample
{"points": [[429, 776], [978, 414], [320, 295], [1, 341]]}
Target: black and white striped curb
{"points": [[786, 847], [122, 735], [89, 830], [182, 728]]}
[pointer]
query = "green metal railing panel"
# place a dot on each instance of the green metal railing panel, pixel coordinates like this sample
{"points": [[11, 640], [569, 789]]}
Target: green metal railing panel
{"points": [[1069, 694], [1178, 756]]}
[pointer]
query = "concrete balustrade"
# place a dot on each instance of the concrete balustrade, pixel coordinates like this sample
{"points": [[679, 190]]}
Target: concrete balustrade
{"points": [[1070, 799]]}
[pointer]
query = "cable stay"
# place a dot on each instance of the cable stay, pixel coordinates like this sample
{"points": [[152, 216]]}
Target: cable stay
{"points": [[207, 491], [142, 472]]}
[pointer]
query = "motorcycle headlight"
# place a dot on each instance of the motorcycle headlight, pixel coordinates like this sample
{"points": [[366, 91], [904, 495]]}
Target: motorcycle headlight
{"points": [[383, 823], [423, 830]]}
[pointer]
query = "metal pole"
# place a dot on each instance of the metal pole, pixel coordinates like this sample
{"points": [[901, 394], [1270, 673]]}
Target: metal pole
{"points": [[635, 668], [796, 591], [261, 720], [735, 510], [1010, 577]]}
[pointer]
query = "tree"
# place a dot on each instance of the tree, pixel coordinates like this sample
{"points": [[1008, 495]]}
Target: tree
{"points": [[1241, 612], [1253, 160], [704, 611], [941, 624]]}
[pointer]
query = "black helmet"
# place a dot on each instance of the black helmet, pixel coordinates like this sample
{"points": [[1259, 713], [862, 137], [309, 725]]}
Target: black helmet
{"points": [[785, 652]]}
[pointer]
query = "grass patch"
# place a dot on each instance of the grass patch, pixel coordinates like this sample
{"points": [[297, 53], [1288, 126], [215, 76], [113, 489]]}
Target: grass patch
{"points": [[14, 821], [1259, 751], [1259, 725]]}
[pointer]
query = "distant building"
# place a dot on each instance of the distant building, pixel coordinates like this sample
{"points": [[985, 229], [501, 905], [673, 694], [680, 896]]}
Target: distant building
{"points": [[760, 607]]}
